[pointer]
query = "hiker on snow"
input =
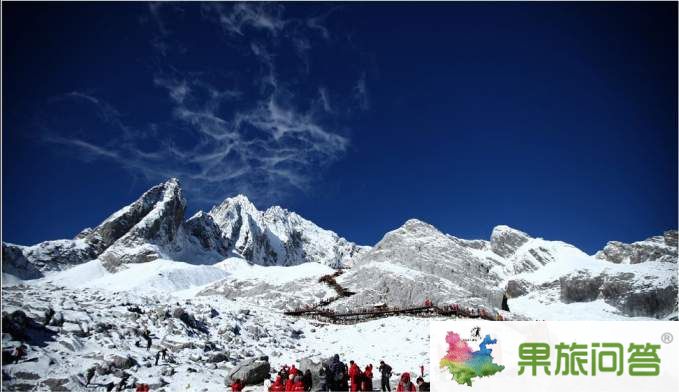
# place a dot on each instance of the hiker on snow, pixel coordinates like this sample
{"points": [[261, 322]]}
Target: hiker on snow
{"points": [[345, 379], [19, 352], [385, 371], [307, 380], [237, 385], [277, 385], [354, 376], [335, 375], [89, 375], [421, 385], [323, 378], [405, 385], [289, 383], [284, 374], [368, 378]]}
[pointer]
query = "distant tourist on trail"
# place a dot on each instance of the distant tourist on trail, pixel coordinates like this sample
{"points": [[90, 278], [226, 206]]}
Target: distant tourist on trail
{"points": [[354, 376], [323, 378], [405, 385], [421, 385], [277, 385], [89, 375], [368, 378], [123, 382], [146, 335], [19, 352], [142, 388], [237, 385], [336, 375], [308, 380], [289, 383], [157, 358], [345, 379], [385, 371]]}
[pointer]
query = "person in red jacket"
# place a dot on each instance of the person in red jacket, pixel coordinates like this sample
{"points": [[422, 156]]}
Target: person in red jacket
{"points": [[237, 385], [277, 385], [293, 370], [289, 383], [354, 376], [368, 378], [405, 385]]}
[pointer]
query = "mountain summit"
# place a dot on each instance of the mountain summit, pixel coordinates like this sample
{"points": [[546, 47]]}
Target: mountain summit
{"points": [[153, 227]]}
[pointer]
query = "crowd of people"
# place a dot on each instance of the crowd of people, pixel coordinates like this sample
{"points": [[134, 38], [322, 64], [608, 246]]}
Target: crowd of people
{"points": [[335, 375]]}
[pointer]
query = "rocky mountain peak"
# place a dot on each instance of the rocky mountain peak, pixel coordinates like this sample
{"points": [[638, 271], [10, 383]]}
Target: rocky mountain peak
{"points": [[671, 238], [505, 240], [657, 248], [416, 227]]}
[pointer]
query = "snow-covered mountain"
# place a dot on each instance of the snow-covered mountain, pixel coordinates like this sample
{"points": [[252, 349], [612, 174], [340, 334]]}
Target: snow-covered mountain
{"points": [[212, 290], [417, 262], [530, 276], [279, 237], [153, 227]]}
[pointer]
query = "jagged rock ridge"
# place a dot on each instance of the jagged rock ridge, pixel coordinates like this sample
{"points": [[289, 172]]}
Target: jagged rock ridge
{"points": [[153, 227]]}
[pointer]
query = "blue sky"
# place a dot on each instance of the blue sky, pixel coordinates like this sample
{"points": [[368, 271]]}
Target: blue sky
{"points": [[557, 119]]}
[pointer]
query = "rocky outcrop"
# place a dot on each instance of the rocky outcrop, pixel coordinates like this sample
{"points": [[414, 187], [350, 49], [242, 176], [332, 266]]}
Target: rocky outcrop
{"points": [[659, 248], [202, 229], [632, 295], [580, 287], [417, 262], [151, 224], [15, 263], [251, 371], [135, 233], [153, 227], [504, 240], [278, 237]]}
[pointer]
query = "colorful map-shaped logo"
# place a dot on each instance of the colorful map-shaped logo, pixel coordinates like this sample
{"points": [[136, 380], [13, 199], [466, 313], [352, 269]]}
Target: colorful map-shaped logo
{"points": [[465, 364]]}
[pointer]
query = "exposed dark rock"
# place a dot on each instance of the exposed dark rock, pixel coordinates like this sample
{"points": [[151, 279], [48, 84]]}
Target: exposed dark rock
{"points": [[516, 288], [504, 240], [120, 362], [189, 320], [251, 371], [15, 263], [56, 384], [16, 324], [637, 299], [580, 288], [219, 357], [659, 248], [205, 231]]}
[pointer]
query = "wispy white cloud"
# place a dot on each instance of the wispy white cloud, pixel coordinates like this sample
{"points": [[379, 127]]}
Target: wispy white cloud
{"points": [[361, 93], [220, 139], [243, 16], [325, 99]]}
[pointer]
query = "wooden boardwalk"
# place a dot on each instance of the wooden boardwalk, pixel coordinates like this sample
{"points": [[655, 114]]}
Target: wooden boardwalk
{"points": [[360, 315], [319, 311]]}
